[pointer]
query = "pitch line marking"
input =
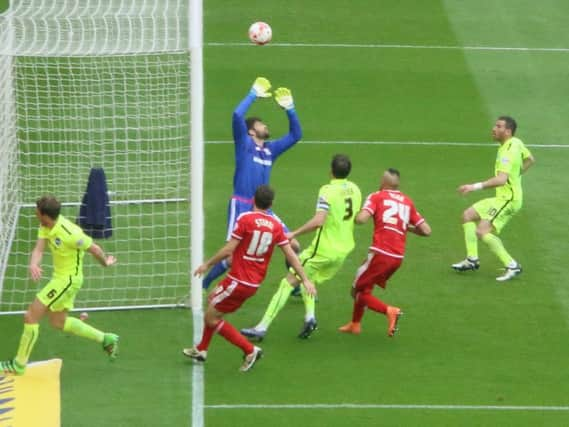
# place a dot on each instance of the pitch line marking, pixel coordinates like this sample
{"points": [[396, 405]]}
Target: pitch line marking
{"points": [[431, 143], [388, 406], [401, 46]]}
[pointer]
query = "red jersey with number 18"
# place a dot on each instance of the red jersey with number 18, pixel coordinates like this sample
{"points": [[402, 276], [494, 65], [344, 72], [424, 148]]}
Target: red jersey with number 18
{"points": [[392, 212], [258, 233]]}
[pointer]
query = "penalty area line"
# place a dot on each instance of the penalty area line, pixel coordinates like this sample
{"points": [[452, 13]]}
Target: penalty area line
{"points": [[393, 406], [399, 46], [428, 143]]}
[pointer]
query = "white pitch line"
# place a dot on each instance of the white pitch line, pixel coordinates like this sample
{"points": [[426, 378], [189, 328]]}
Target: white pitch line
{"points": [[387, 406], [399, 46], [432, 143], [198, 383]]}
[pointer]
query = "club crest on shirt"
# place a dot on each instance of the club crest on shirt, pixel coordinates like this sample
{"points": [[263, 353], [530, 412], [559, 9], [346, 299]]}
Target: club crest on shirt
{"points": [[57, 241], [505, 160], [80, 243]]}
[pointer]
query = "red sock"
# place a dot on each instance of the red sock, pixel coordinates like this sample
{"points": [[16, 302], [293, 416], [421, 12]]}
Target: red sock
{"points": [[232, 335], [359, 309], [373, 303], [208, 332]]}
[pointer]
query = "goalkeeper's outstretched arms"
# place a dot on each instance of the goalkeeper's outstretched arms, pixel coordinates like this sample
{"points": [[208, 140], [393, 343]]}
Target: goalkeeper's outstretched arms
{"points": [[284, 99], [260, 89]]}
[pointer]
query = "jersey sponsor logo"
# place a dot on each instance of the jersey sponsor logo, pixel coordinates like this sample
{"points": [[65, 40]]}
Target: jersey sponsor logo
{"points": [[264, 150], [262, 162], [505, 160]]}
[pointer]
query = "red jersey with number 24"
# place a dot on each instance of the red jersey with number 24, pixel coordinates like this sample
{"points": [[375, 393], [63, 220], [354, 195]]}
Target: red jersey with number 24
{"points": [[258, 233], [392, 212]]}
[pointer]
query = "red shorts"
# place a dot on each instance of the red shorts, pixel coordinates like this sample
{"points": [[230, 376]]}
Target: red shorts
{"points": [[229, 295], [376, 270]]}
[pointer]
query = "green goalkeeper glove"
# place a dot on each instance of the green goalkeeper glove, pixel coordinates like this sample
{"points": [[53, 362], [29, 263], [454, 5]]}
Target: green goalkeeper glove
{"points": [[283, 96], [261, 88]]}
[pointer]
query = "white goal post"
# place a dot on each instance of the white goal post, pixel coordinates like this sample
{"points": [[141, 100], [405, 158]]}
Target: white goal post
{"points": [[112, 84]]}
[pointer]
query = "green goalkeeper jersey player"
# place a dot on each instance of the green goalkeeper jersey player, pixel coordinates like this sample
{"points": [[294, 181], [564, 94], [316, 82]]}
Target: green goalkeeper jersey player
{"points": [[492, 214], [68, 244], [338, 202]]}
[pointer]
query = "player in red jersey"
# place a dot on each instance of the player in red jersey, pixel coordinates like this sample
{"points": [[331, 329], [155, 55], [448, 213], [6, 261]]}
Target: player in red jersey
{"points": [[253, 239], [394, 214]]}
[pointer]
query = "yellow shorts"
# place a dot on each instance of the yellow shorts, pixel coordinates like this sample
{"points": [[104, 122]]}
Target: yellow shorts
{"points": [[319, 268], [59, 294], [497, 211]]}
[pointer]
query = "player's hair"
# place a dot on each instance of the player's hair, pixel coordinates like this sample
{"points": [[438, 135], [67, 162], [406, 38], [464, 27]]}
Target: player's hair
{"points": [[394, 171], [264, 196], [510, 123], [250, 121], [49, 205], [341, 166]]}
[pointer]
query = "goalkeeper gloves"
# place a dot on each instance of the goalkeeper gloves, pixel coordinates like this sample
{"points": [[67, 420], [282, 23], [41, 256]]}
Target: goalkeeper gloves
{"points": [[283, 96], [261, 88]]}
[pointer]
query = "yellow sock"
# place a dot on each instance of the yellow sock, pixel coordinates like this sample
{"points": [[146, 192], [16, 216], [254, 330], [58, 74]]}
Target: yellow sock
{"points": [[81, 329], [470, 239], [309, 303], [496, 246], [27, 342], [277, 303]]}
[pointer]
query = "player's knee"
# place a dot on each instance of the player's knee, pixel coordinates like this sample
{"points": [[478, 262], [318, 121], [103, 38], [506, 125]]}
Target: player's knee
{"points": [[28, 318], [57, 323], [211, 320], [482, 230]]}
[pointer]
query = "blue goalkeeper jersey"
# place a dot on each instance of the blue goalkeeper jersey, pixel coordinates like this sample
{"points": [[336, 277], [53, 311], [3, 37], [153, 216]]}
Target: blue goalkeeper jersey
{"points": [[253, 164]]}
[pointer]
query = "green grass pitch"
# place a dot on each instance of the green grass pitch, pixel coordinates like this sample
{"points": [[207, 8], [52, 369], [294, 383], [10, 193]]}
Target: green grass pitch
{"points": [[465, 339]]}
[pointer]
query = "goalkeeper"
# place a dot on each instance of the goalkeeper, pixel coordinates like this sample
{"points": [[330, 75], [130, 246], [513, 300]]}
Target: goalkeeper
{"points": [[68, 244], [254, 157]]}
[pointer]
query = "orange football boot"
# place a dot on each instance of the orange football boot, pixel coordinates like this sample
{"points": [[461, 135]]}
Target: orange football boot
{"points": [[393, 314], [351, 328]]}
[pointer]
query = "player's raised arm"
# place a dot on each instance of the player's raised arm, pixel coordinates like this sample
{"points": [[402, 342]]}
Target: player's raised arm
{"points": [[283, 97], [35, 260], [260, 89], [226, 251]]}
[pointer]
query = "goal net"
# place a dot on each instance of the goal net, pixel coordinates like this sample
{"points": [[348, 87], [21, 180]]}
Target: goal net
{"points": [[97, 83]]}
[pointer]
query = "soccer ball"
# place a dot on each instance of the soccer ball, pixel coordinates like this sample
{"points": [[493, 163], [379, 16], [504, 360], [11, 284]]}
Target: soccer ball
{"points": [[260, 33]]}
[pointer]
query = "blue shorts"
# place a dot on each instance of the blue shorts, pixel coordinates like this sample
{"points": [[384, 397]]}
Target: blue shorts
{"points": [[239, 205]]}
